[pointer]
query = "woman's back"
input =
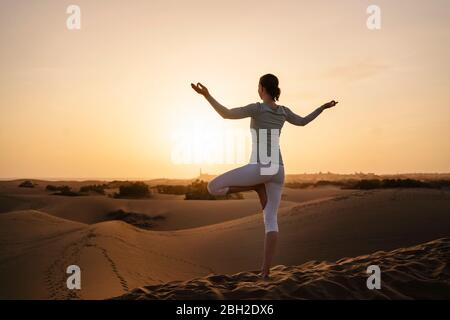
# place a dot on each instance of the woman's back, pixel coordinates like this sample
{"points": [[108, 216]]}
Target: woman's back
{"points": [[266, 122], [267, 117]]}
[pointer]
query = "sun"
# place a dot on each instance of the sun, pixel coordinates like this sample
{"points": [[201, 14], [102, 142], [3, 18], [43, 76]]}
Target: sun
{"points": [[202, 140]]}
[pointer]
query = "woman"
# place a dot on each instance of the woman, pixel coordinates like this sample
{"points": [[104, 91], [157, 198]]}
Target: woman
{"points": [[265, 117]]}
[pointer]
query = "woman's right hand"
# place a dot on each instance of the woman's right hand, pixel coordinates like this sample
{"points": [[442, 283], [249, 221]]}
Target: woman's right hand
{"points": [[200, 89]]}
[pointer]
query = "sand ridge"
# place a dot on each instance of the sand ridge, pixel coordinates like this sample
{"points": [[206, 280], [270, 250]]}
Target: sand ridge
{"points": [[417, 272]]}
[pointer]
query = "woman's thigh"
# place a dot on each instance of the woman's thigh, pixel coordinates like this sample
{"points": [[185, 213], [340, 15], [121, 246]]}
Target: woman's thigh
{"points": [[244, 176], [247, 175]]}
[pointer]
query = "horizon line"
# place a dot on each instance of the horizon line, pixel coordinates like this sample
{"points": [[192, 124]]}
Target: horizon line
{"points": [[141, 179]]}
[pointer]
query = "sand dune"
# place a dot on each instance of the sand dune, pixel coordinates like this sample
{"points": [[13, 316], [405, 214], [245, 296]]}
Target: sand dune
{"points": [[36, 246], [113, 257], [417, 272], [30, 243], [178, 213]]}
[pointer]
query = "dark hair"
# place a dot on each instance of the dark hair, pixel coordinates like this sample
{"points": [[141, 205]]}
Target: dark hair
{"points": [[270, 83]]}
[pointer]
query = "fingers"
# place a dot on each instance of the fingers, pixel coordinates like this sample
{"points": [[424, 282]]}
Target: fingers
{"points": [[198, 85], [196, 88], [199, 88], [330, 104]]}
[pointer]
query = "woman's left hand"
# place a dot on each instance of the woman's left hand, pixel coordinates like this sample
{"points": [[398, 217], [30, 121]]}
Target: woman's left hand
{"points": [[330, 104], [200, 89]]}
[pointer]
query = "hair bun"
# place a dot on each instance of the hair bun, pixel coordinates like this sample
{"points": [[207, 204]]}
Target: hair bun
{"points": [[270, 83]]}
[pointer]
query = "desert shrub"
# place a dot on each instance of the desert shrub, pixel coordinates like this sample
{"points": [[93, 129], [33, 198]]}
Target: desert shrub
{"points": [[298, 185], [337, 183], [116, 184], [66, 191], [198, 190], [403, 183], [133, 190], [27, 184], [366, 184], [139, 220], [399, 183], [95, 188], [172, 189], [303, 185], [57, 188], [440, 184]]}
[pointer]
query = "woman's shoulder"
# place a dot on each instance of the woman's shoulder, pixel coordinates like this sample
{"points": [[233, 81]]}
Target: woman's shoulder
{"points": [[284, 109], [280, 108], [258, 106]]}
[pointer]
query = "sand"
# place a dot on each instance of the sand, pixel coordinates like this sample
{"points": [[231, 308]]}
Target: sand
{"points": [[42, 234], [417, 272]]}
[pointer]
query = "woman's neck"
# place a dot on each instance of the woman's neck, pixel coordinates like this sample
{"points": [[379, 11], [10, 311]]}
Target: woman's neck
{"points": [[271, 103]]}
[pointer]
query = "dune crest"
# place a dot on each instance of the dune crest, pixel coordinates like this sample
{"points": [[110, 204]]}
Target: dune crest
{"points": [[416, 272]]}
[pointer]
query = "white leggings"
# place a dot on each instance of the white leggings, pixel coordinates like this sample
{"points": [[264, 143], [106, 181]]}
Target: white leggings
{"points": [[250, 175]]}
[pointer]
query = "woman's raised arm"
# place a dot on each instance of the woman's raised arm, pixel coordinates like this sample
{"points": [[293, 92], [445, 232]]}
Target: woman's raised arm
{"points": [[297, 120], [234, 113]]}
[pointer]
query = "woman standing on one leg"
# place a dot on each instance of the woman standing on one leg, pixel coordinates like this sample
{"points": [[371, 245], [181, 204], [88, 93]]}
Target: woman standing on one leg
{"points": [[266, 116]]}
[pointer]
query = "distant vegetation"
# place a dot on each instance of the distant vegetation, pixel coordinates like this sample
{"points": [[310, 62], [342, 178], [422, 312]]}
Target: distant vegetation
{"points": [[197, 190], [116, 184], [366, 184], [51, 187], [63, 191], [139, 220], [133, 190], [313, 184], [95, 188], [400, 183], [27, 184], [172, 189]]}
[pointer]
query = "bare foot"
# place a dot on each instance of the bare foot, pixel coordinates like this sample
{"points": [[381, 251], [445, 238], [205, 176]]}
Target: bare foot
{"points": [[261, 191]]}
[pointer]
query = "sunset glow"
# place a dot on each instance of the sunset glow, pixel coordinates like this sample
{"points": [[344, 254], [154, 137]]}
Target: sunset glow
{"points": [[105, 100]]}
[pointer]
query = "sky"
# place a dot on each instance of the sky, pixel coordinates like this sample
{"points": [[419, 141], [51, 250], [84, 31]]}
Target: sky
{"points": [[113, 99]]}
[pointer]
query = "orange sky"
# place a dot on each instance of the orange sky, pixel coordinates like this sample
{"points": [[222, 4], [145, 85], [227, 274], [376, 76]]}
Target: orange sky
{"points": [[104, 101]]}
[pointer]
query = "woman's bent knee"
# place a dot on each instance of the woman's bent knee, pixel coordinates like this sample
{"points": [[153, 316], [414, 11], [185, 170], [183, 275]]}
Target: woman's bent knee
{"points": [[214, 190], [211, 187]]}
